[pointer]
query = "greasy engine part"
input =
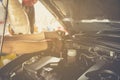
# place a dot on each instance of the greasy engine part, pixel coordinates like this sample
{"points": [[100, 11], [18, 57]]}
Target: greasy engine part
{"points": [[97, 66], [103, 71], [37, 67], [41, 67], [17, 17]]}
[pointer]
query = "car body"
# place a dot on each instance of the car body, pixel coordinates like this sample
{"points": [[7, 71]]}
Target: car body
{"points": [[90, 50]]}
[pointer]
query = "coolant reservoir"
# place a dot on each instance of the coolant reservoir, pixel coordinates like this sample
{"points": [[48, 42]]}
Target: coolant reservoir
{"points": [[71, 56]]}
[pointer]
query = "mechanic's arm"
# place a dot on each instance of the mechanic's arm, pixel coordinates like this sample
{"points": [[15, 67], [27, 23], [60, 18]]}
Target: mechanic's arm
{"points": [[23, 44]]}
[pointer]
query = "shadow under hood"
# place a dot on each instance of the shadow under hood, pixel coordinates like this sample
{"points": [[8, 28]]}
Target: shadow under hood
{"points": [[71, 13]]}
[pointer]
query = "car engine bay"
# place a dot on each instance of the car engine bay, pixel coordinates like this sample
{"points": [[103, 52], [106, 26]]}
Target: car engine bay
{"points": [[90, 50], [78, 60]]}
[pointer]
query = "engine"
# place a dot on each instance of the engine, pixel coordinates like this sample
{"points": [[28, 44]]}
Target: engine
{"points": [[78, 60]]}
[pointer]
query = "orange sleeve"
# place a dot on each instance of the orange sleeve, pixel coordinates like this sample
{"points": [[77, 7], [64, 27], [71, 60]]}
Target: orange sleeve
{"points": [[29, 2]]}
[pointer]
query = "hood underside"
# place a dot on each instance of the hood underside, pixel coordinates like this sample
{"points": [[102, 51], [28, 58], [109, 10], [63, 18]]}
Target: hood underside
{"points": [[72, 12], [87, 9]]}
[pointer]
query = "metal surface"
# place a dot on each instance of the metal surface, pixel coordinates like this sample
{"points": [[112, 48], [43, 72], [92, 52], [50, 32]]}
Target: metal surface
{"points": [[77, 10], [97, 66]]}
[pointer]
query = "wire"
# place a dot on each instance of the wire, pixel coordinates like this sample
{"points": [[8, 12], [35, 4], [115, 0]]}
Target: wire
{"points": [[3, 34], [3, 6]]}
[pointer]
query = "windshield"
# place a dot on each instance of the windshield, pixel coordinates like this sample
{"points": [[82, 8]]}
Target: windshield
{"points": [[44, 20], [38, 17]]}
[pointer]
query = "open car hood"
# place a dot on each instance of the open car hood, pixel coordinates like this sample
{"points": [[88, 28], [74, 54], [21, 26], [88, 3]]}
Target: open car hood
{"points": [[77, 15], [91, 51]]}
